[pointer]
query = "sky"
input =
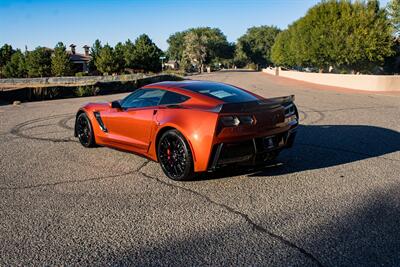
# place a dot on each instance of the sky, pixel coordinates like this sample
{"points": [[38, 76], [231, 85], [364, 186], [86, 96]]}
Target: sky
{"points": [[44, 22]]}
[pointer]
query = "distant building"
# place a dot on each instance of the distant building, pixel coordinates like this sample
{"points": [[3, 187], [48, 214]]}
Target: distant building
{"points": [[171, 64], [80, 61]]}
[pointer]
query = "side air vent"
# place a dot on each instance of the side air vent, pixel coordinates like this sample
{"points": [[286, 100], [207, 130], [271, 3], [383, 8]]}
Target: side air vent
{"points": [[100, 121]]}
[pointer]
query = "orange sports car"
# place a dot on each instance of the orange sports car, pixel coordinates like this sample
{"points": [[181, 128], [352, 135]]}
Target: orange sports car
{"points": [[192, 126]]}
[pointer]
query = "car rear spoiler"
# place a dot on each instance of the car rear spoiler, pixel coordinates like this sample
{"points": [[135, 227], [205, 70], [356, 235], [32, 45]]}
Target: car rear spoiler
{"points": [[258, 105]]}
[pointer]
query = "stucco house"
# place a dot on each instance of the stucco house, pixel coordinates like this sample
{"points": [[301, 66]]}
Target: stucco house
{"points": [[171, 64], [80, 61]]}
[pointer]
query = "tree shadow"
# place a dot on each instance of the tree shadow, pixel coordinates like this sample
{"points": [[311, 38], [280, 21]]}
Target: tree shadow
{"points": [[234, 245], [366, 234], [322, 146]]}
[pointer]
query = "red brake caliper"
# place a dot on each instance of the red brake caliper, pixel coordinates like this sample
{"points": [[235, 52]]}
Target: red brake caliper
{"points": [[169, 153]]}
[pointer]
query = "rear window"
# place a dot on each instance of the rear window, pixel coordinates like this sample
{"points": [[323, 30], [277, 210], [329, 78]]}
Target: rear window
{"points": [[224, 92], [172, 98]]}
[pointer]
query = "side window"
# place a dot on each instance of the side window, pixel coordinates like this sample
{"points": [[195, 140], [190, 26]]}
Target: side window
{"points": [[131, 96], [173, 98], [143, 98]]}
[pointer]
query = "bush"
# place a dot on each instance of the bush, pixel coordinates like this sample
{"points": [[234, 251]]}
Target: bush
{"points": [[89, 90], [81, 74], [353, 35], [251, 66], [174, 72]]}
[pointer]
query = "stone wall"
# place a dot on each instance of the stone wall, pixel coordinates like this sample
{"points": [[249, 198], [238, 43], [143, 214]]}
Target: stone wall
{"points": [[18, 83], [37, 89], [382, 83]]}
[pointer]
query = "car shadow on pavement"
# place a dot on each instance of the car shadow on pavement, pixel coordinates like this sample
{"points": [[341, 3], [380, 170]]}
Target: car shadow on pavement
{"points": [[321, 146]]}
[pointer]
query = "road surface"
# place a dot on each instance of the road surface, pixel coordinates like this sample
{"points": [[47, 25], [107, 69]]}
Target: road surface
{"points": [[333, 199]]}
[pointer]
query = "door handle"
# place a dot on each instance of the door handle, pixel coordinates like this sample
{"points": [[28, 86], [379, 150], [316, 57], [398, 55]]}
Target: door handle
{"points": [[155, 112]]}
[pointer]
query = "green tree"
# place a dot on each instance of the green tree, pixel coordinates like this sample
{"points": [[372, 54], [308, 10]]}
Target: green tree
{"points": [[119, 51], [38, 62], [60, 62], [94, 53], [255, 45], [218, 48], [106, 61], [225, 55], [345, 35], [146, 55], [394, 14], [240, 57], [129, 54], [176, 46], [196, 48], [6, 52], [205, 45], [16, 67]]}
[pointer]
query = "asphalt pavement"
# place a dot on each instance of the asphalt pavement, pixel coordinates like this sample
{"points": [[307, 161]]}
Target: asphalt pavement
{"points": [[331, 200]]}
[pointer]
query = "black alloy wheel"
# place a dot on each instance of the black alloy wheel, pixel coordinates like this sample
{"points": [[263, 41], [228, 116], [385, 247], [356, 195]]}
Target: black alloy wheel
{"points": [[84, 130], [175, 156]]}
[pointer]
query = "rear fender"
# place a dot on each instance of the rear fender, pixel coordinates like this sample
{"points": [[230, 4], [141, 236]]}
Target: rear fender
{"points": [[198, 128]]}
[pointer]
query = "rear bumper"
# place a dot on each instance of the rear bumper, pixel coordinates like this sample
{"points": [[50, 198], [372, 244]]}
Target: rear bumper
{"points": [[252, 151]]}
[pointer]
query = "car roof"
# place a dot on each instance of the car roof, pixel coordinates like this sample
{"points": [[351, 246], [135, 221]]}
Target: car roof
{"points": [[182, 84], [193, 88], [179, 87]]}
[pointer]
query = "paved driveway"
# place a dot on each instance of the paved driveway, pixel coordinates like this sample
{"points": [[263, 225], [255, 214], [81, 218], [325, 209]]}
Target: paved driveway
{"points": [[334, 199]]}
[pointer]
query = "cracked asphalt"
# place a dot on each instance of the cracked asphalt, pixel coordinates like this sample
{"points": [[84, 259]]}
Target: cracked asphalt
{"points": [[331, 200]]}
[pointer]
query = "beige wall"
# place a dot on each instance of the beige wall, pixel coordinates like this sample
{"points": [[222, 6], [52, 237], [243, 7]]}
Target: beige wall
{"points": [[357, 82]]}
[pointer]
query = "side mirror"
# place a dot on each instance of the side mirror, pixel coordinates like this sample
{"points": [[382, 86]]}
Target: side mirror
{"points": [[116, 104]]}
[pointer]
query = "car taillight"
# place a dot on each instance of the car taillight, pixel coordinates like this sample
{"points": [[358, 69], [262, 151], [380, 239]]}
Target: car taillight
{"points": [[247, 120], [229, 121]]}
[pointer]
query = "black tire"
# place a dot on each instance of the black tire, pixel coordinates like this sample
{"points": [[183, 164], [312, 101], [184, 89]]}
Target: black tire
{"points": [[175, 157], [84, 131], [297, 113]]}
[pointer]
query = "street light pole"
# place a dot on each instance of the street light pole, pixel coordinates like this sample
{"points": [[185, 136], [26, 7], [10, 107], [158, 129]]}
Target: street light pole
{"points": [[162, 63]]}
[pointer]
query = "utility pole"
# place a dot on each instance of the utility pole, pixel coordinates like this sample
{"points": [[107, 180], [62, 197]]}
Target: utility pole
{"points": [[162, 63]]}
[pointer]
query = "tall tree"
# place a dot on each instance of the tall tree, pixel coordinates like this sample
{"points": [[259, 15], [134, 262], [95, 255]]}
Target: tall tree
{"points": [[146, 55], [119, 51], [350, 36], [196, 48], [204, 45], [38, 62], [106, 61], [94, 53], [240, 57], [394, 14], [176, 44], [129, 54], [60, 62], [255, 45], [6, 52], [16, 67]]}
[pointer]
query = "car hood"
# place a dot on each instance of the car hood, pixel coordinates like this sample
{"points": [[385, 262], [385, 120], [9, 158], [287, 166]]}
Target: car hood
{"points": [[96, 106]]}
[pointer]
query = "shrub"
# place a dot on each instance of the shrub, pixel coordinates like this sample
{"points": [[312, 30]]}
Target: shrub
{"points": [[252, 66], [89, 90], [81, 74]]}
